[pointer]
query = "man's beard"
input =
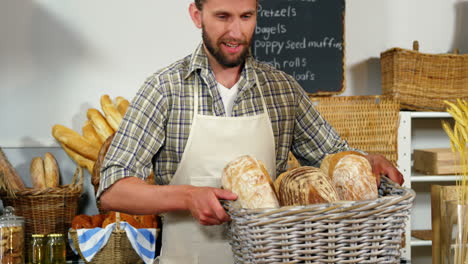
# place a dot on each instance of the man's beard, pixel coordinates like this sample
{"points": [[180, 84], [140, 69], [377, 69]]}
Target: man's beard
{"points": [[219, 56]]}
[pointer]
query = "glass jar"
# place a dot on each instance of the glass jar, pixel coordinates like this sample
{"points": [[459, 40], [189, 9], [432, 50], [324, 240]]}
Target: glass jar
{"points": [[37, 252], [12, 237], [56, 251]]}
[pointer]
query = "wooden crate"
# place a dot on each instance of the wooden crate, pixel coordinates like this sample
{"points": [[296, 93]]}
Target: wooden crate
{"points": [[436, 161]]}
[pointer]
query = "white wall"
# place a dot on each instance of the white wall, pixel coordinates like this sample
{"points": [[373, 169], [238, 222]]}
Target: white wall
{"points": [[58, 57]]}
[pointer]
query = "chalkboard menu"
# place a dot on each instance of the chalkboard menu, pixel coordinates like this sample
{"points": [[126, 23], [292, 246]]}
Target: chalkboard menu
{"points": [[304, 38]]}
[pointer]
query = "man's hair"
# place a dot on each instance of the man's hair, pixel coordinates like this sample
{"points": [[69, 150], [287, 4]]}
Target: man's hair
{"points": [[199, 4]]}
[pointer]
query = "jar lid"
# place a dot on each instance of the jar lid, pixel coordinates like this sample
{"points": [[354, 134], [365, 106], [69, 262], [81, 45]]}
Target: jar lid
{"points": [[55, 235], [37, 235], [10, 219]]}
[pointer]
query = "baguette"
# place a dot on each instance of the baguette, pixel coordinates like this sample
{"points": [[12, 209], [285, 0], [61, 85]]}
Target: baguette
{"points": [[96, 175], [248, 178], [80, 160], [37, 173], [122, 105], [103, 129], [111, 113], [90, 134], [52, 175], [14, 181], [75, 141]]}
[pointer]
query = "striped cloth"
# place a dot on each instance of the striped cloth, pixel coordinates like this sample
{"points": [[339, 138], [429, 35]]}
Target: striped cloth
{"points": [[90, 241]]}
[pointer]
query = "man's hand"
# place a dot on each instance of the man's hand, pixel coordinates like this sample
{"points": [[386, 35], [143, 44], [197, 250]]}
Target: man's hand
{"points": [[203, 203], [381, 166]]}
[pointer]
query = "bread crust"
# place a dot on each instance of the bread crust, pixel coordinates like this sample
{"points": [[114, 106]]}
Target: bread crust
{"points": [[80, 160], [245, 177], [90, 134], [75, 142], [51, 171], [103, 129], [111, 113], [11, 175], [37, 173], [122, 105]]}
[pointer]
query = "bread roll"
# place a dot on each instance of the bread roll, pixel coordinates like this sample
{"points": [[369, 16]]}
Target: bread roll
{"points": [[122, 105], [248, 178], [353, 178], [75, 142], [80, 160], [306, 185], [12, 178], [97, 220], [37, 173], [111, 113], [51, 171], [103, 129], [82, 221], [90, 134]]}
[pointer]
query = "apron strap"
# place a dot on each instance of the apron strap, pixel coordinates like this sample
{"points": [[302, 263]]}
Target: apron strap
{"points": [[257, 82]]}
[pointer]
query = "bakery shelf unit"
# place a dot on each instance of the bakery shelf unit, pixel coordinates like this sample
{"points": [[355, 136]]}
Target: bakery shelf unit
{"points": [[420, 130]]}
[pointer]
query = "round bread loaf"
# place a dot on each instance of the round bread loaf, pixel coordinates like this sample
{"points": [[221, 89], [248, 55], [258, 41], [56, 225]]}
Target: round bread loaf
{"points": [[249, 179], [305, 185], [353, 178]]}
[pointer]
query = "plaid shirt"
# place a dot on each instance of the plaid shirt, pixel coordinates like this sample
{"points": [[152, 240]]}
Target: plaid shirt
{"points": [[156, 127]]}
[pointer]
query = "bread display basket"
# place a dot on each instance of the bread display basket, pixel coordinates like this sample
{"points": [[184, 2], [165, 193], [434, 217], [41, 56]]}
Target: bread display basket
{"points": [[117, 249], [369, 231], [49, 210]]}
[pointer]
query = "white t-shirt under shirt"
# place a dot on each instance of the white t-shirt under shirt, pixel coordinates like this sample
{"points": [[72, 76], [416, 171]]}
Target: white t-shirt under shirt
{"points": [[228, 95]]}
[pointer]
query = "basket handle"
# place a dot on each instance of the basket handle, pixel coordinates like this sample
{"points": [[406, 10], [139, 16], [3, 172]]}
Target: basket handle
{"points": [[415, 45], [117, 220], [78, 176]]}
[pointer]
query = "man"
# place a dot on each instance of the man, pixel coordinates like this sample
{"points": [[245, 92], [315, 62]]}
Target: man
{"points": [[193, 117]]}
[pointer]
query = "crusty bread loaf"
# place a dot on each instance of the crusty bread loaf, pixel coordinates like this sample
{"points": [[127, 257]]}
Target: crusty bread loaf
{"points": [[75, 142], [80, 160], [103, 129], [122, 105], [90, 134], [37, 173], [353, 178], [51, 171], [332, 159], [248, 178], [96, 175], [306, 185], [111, 113], [11, 177]]}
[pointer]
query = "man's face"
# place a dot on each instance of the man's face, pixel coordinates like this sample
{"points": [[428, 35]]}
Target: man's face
{"points": [[227, 29]]}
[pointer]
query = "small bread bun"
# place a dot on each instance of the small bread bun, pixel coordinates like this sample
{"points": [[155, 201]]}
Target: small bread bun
{"points": [[37, 173], [147, 221], [52, 175], [248, 178], [82, 221], [97, 220], [330, 160]]}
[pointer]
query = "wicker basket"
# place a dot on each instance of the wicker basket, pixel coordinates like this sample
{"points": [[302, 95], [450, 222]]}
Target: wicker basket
{"points": [[368, 123], [117, 249], [423, 81], [350, 232], [47, 211]]}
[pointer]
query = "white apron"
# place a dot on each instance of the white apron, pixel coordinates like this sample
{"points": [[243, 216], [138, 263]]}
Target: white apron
{"points": [[213, 142]]}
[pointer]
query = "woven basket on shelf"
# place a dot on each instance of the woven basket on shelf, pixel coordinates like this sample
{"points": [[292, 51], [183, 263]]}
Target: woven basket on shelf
{"points": [[117, 249], [423, 81], [368, 123], [49, 210], [350, 232]]}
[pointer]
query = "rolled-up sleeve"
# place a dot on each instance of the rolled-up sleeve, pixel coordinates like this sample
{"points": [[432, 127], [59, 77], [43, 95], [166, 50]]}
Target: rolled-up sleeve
{"points": [[314, 137], [139, 137]]}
